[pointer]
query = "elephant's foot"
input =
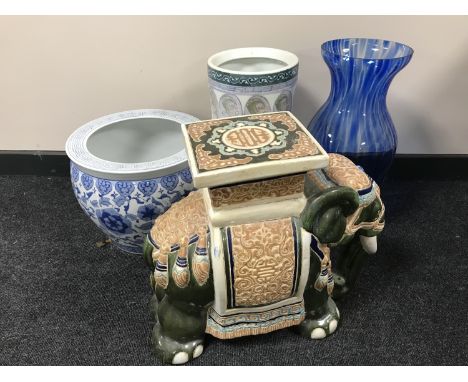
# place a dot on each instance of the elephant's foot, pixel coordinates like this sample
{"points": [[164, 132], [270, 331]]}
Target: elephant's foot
{"points": [[173, 351], [320, 323], [179, 332]]}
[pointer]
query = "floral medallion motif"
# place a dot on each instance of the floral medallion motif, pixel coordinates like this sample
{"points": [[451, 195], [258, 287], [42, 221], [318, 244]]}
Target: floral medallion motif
{"points": [[284, 101], [257, 104], [126, 210], [87, 181], [249, 139], [147, 187], [255, 139], [170, 182], [112, 220], [124, 188], [186, 175], [104, 186], [229, 105], [148, 212]]}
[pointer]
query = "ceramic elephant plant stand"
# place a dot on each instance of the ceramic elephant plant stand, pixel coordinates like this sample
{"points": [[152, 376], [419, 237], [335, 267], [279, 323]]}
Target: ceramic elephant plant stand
{"points": [[249, 252]]}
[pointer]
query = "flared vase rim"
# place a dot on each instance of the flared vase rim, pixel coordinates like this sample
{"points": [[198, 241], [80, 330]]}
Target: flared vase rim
{"points": [[288, 58], [325, 49]]}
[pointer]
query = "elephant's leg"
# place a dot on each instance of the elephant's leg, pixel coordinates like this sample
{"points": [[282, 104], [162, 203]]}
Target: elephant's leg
{"points": [[179, 333], [322, 315], [156, 298], [350, 260], [158, 293]]}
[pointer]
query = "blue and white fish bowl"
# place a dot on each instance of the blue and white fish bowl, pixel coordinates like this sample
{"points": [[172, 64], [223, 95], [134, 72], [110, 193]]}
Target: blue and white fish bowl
{"points": [[128, 168], [251, 80]]}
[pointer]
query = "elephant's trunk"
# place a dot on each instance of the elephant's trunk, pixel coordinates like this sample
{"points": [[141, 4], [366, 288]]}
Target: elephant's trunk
{"points": [[325, 214]]}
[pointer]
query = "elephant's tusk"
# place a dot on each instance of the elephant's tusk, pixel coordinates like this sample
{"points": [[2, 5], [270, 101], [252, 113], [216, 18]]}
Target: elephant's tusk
{"points": [[369, 244]]}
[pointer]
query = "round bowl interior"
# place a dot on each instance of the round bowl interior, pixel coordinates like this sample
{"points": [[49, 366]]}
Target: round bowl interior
{"points": [[253, 64], [253, 61], [131, 145], [367, 49], [136, 140]]}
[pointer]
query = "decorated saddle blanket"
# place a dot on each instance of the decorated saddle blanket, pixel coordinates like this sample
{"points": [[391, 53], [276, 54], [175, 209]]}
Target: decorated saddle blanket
{"points": [[256, 267], [262, 262], [261, 291]]}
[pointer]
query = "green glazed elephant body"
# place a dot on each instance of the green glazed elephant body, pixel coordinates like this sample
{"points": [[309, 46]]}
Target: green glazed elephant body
{"points": [[197, 273]]}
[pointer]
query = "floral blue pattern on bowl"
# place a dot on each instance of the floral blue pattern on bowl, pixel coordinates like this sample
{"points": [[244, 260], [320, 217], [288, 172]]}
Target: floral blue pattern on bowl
{"points": [[127, 168], [126, 210]]}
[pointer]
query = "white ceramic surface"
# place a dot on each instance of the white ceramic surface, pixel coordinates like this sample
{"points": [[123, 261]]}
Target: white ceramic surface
{"points": [[89, 160], [253, 61], [128, 168]]}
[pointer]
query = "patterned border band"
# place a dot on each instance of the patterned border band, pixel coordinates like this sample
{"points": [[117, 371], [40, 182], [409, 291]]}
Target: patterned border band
{"points": [[252, 80]]}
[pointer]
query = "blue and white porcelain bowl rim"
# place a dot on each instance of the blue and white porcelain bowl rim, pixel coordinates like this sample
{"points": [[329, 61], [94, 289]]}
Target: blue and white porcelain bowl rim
{"points": [[217, 59], [325, 47], [78, 153]]}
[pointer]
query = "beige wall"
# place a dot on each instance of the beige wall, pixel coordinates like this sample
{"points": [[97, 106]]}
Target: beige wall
{"points": [[57, 73]]}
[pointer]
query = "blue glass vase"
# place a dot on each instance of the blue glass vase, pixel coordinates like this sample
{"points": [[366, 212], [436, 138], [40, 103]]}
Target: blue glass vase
{"points": [[354, 120]]}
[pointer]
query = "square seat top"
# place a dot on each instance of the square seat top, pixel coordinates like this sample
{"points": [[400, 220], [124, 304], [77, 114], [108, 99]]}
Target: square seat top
{"points": [[251, 147]]}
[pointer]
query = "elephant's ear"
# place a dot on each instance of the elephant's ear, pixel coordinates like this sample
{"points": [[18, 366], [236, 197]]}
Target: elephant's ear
{"points": [[325, 213]]}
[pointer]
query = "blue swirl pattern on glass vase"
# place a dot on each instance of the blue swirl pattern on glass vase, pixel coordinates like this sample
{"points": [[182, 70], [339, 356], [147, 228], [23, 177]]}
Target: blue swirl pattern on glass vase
{"points": [[354, 121]]}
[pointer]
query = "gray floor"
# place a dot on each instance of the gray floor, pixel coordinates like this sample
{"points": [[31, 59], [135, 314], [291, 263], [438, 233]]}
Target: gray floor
{"points": [[65, 302]]}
